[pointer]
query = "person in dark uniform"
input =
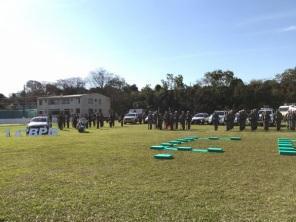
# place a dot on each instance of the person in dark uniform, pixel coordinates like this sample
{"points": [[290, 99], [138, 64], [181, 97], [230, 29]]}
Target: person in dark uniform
{"points": [[68, 120], [74, 120], [121, 119], [228, 119], [140, 118], [98, 120], [111, 119], [266, 119], [242, 119], [89, 120], [159, 120], [188, 120], [60, 121], [50, 120], [288, 117], [171, 120], [165, 119], [182, 119], [293, 120], [253, 119], [215, 120], [278, 120], [176, 119], [150, 120], [101, 118]]}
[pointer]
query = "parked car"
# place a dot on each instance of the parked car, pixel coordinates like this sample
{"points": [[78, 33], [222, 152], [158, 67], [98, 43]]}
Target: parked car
{"points": [[221, 115], [200, 118], [131, 118], [269, 111], [38, 122], [284, 110]]}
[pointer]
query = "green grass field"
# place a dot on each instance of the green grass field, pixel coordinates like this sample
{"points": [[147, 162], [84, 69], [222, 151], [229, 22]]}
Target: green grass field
{"points": [[111, 175]]}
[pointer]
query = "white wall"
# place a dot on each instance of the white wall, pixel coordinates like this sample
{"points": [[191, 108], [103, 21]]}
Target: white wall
{"points": [[15, 121]]}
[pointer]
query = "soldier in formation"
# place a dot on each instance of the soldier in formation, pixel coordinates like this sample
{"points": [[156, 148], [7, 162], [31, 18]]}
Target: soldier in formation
{"points": [[188, 120], [278, 120], [182, 119], [169, 120], [229, 120], [266, 120], [159, 120], [291, 118], [60, 120], [111, 119], [242, 117], [215, 120], [175, 120], [150, 120], [253, 117]]}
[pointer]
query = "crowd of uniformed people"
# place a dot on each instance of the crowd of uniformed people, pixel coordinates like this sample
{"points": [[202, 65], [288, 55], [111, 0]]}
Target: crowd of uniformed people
{"points": [[169, 120], [174, 120], [82, 122], [255, 119]]}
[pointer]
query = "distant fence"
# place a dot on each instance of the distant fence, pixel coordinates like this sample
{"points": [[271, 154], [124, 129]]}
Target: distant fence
{"points": [[17, 114], [15, 121]]}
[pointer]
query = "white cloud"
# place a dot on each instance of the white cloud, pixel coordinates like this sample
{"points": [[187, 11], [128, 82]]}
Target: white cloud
{"points": [[289, 29], [268, 17]]}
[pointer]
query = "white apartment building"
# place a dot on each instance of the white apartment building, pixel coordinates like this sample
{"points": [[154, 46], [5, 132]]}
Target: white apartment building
{"points": [[74, 104]]}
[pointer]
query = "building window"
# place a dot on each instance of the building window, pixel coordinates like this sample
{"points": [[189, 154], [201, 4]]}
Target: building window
{"points": [[90, 101], [77, 110], [100, 101], [78, 100], [40, 102], [53, 101], [65, 101]]}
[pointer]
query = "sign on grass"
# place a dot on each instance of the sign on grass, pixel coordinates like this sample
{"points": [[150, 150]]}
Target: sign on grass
{"points": [[33, 132]]}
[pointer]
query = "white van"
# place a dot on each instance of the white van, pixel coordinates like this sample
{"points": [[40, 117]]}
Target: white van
{"points": [[285, 109]]}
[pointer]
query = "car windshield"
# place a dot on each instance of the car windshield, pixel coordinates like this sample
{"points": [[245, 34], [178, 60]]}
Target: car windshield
{"points": [[39, 119], [131, 115], [261, 111], [200, 115], [284, 109], [220, 113]]}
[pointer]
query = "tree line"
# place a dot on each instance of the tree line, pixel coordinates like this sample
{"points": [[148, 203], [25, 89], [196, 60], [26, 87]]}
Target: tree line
{"points": [[217, 90]]}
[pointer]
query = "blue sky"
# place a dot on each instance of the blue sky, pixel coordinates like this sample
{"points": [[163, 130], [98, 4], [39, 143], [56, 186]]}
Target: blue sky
{"points": [[142, 40]]}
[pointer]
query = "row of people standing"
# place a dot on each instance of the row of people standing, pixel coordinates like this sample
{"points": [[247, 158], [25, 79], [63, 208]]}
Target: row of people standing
{"points": [[169, 120], [89, 120], [253, 117]]}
